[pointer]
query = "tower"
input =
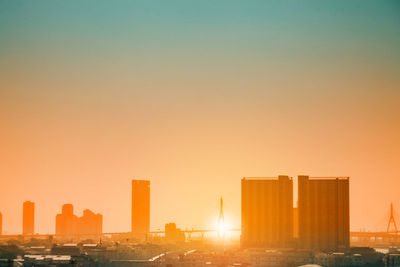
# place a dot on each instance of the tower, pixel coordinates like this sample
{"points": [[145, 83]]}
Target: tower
{"points": [[392, 221], [140, 208], [221, 230], [267, 212], [28, 218], [66, 222]]}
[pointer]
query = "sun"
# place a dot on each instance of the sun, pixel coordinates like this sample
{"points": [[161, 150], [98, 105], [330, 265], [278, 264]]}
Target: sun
{"points": [[221, 228]]}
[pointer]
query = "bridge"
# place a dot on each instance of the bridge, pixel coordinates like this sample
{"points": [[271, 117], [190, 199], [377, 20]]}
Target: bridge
{"points": [[389, 237], [374, 239]]}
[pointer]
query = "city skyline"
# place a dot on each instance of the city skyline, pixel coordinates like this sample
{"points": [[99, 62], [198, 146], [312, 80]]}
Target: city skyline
{"points": [[194, 96], [272, 190]]}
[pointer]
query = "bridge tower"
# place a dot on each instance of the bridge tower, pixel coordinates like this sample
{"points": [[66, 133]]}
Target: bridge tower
{"points": [[392, 222], [221, 211], [221, 218]]}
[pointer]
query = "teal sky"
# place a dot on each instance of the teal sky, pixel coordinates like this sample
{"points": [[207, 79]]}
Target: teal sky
{"points": [[191, 94], [229, 32]]}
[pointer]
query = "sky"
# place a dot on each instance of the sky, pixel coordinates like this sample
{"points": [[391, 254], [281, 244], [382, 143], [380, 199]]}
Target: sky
{"points": [[195, 95]]}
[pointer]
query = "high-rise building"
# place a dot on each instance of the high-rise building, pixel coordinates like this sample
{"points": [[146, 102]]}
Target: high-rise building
{"points": [[140, 208], [69, 225], [67, 209], [323, 210], [28, 218], [1, 223], [90, 223], [267, 212], [66, 222]]}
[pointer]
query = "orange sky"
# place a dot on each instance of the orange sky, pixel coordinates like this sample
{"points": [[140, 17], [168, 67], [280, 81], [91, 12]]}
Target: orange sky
{"points": [[82, 114]]}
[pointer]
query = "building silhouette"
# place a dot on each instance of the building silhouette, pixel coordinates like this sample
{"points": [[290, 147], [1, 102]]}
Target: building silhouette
{"points": [[392, 226], [140, 208], [69, 225], [173, 234], [90, 223], [28, 218], [295, 222], [323, 210], [66, 222], [267, 212]]}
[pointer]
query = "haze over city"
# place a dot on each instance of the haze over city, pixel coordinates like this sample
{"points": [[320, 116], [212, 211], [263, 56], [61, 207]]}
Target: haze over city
{"points": [[194, 97]]}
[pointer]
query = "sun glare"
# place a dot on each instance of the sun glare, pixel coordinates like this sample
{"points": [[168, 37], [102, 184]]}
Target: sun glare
{"points": [[221, 228]]}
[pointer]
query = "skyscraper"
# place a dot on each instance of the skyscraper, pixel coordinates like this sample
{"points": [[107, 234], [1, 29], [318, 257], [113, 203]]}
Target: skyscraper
{"points": [[66, 222], [28, 218], [69, 225], [323, 208], [267, 212], [140, 208], [90, 223]]}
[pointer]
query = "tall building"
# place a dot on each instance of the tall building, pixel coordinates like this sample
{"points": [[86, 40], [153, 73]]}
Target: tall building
{"points": [[1, 223], [66, 222], [28, 218], [267, 212], [90, 223], [140, 208], [69, 225], [323, 210]]}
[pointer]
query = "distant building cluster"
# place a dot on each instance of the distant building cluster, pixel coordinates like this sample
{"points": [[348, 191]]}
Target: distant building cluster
{"points": [[124, 254], [69, 225], [173, 234], [274, 233], [90, 224], [282, 258]]}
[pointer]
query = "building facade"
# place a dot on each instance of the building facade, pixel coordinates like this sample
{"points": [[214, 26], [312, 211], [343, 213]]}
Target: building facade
{"points": [[267, 212], [140, 208], [324, 213], [28, 218]]}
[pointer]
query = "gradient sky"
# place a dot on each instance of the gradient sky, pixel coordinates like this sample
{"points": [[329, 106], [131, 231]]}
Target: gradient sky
{"points": [[194, 95]]}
